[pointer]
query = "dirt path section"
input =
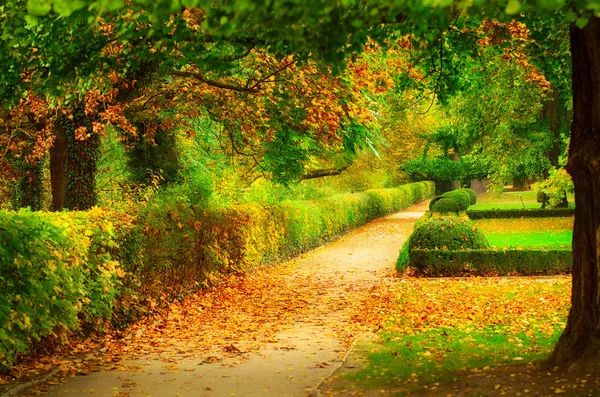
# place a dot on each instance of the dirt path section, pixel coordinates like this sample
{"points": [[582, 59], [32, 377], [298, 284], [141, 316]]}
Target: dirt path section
{"points": [[276, 332]]}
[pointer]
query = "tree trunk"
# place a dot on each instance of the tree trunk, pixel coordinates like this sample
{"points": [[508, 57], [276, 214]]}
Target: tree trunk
{"points": [[58, 167], [29, 190], [82, 163], [579, 345], [554, 111]]}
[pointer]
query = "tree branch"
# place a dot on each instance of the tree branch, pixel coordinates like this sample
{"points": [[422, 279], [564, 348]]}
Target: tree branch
{"points": [[226, 86], [324, 172]]}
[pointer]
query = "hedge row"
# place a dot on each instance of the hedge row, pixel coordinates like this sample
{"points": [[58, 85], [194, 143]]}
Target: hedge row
{"points": [[521, 213], [60, 272], [501, 262]]}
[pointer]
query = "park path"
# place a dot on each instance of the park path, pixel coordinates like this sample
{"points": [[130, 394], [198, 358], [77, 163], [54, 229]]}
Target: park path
{"points": [[277, 332]]}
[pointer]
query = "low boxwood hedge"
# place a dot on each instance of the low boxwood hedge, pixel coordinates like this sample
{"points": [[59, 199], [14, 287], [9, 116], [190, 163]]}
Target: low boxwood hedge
{"points": [[490, 262], [521, 213]]}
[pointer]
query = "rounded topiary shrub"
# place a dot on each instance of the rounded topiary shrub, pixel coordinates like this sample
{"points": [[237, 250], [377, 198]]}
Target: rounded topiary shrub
{"points": [[472, 195], [433, 201], [447, 232], [461, 197], [446, 204]]}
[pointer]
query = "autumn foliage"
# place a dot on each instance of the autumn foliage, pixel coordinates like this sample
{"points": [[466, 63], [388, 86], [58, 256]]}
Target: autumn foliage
{"points": [[104, 266]]}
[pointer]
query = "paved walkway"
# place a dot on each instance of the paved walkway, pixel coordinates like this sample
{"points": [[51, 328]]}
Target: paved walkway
{"points": [[277, 334]]}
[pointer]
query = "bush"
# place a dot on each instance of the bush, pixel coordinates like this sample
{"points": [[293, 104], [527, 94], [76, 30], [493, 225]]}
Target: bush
{"points": [[492, 262], [404, 258], [521, 213], [446, 204], [472, 195], [58, 272], [461, 196], [448, 233], [453, 201]]}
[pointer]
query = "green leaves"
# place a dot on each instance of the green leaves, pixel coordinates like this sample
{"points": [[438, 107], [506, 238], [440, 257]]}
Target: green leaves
{"points": [[513, 7], [39, 7]]}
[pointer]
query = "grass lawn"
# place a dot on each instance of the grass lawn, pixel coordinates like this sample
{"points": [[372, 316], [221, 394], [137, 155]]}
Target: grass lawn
{"points": [[509, 200], [442, 329], [527, 232]]}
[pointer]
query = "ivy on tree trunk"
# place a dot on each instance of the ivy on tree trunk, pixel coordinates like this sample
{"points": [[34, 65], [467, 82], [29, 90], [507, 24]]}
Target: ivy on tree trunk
{"points": [[81, 163], [579, 345]]}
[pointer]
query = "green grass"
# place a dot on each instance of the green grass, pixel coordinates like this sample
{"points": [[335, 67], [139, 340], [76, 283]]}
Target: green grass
{"points": [[531, 239], [439, 355], [510, 200], [527, 232], [441, 329], [503, 206]]}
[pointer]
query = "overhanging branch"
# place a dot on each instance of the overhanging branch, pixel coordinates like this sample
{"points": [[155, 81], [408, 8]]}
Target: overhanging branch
{"points": [[226, 86], [324, 172]]}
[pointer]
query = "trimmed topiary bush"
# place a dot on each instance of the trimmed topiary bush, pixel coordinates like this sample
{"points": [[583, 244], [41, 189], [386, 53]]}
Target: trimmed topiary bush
{"points": [[447, 233], [463, 198], [472, 195], [446, 204]]}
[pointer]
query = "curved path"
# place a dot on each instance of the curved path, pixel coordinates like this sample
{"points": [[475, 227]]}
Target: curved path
{"points": [[277, 332]]}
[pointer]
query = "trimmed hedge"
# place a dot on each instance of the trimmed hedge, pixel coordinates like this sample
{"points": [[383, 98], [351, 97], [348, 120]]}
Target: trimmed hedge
{"points": [[462, 198], [446, 232], [60, 272], [524, 262], [521, 213], [445, 204], [472, 194]]}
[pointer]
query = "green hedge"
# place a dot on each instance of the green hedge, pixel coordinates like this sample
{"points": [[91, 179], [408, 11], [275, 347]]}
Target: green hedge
{"points": [[525, 262], [521, 213], [60, 272], [453, 201]]}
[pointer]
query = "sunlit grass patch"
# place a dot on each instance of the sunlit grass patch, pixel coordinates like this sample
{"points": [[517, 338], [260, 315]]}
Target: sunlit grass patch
{"points": [[440, 354], [444, 327], [510, 200], [540, 239], [503, 206], [527, 232]]}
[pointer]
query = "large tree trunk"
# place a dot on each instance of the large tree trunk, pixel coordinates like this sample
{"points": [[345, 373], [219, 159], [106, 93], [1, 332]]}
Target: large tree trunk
{"points": [[579, 345], [58, 167], [82, 163]]}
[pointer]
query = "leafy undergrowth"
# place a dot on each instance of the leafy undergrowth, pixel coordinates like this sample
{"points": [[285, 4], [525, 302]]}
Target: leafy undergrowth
{"points": [[439, 330], [527, 232]]}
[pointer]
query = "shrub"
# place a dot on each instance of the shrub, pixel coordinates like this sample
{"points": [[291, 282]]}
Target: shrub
{"points": [[472, 195], [446, 204], [521, 213], [58, 272], [404, 257], [461, 196], [448, 233], [453, 201], [491, 262]]}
